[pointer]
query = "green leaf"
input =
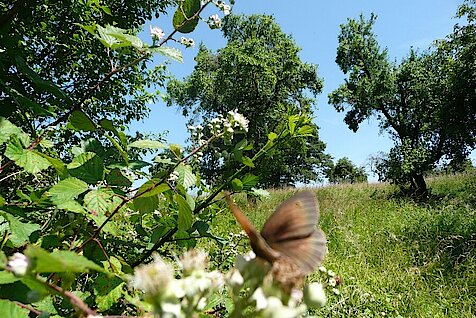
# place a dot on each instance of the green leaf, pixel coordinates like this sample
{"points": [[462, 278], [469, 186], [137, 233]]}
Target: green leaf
{"points": [[169, 52], [272, 136], [59, 261], [182, 20], [2, 201], [72, 206], [248, 162], [157, 188], [11, 310], [80, 121], [108, 291], [19, 232], [147, 144], [185, 217], [7, 129], [119, 148], [249, 181], [117, 178], [292, 120], [87, 167], [29, 160], [186, 177], [7, 277], [146, 204], [305, 130], [99, 200], [59, 165], [67, 190], [236, 184], [106, 39]]}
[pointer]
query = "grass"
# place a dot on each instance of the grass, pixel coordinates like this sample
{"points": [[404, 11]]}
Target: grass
{"points": [[396, 257]]}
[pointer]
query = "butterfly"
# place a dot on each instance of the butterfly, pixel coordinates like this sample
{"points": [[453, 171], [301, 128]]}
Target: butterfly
{"points": [[289, 232]]}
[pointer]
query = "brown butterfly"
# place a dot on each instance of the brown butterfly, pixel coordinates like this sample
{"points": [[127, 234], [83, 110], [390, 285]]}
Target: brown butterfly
{"points": [[289, 232]]}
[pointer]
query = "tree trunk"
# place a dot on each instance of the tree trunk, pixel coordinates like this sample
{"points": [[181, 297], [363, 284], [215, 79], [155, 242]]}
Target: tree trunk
{"points": [[419, 181]]}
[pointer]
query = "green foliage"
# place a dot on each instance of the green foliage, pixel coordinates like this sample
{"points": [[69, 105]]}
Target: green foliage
{"points": [[344, 171], [421, 102], [259, 74]]}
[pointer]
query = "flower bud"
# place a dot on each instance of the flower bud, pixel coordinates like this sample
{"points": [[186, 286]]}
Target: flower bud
{"points": [[314, 295]]}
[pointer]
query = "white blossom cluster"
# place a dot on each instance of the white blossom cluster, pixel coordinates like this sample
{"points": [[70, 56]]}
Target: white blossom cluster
{"points": [[214, 21], [221, 127], [188, 42], [156, 33], [266, 297], [18, 264], [225, 8], [172, 297], [332, 281]]}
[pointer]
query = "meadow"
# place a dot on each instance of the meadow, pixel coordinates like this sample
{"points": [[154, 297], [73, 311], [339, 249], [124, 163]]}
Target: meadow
{"points": [[394, 256]]}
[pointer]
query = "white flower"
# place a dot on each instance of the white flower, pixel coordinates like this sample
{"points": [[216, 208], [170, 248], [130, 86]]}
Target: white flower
{"points": [[153, 278], [173, 309], [194, 260], [191, 127], [226, 9], [18, 264], [314, 295], [234, 278], [187, 42], [214, 21], [322, 269], [331, 273], [199, 127], [239, 119], [156, 33], [336, 291], [260, 299], [230, 130], [332, 282], [173, 176]]}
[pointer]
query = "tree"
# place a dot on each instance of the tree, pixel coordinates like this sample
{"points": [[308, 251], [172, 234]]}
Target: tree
{"points": [[344, 171], [260, 74], [413, 101]]}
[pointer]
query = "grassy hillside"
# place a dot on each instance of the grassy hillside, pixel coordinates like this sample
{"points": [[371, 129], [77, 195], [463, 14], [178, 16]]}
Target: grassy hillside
{"points": [[396, 257]]}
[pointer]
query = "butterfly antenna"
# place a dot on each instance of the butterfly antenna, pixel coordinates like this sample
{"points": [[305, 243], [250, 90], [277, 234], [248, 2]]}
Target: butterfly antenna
{"points": [[242, 219]]}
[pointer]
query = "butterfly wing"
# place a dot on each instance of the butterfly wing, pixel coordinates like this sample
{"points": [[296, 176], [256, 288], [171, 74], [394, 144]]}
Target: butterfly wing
{"points": [[291, 230], [257, 242]]}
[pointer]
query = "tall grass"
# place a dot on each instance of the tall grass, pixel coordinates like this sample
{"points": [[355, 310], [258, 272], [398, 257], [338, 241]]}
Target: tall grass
{"points": [[396, 257]]}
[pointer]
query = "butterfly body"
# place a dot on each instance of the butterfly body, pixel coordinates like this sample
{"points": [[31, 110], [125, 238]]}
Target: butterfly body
{"points": [[289, 232]]}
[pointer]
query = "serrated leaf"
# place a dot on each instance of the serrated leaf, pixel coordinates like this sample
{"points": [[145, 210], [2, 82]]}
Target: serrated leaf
{"points": [[67, 190], [99, 200], [72, 206], [106, 39], [182, 20], [305, 131], [59, 166], [236, 184], [59, 261], [169, 52], [185, 216], [117, 178], [7, 129], [248, 162], [11, 310], [249, 181], [80, 121], [29, 160], [147, 144], [87, 167], [186, 177], [156, 188], [146, 204], [108, 291], [19, 232]]}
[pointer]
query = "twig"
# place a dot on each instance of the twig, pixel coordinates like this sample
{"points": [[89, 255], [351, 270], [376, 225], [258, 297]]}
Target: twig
{"points": [[33, 310]]}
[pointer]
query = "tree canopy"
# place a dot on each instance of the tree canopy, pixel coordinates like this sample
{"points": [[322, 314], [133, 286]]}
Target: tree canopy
{"points": [[421, 101], [345, 171], [260, 74]]}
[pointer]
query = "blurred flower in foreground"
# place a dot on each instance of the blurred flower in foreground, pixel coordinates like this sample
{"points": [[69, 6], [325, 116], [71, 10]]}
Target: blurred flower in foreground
{"points": [[18, 264], [314, 295]]}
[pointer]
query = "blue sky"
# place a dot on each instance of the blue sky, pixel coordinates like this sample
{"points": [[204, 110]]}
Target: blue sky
{"points": [[314, 26]]}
